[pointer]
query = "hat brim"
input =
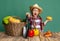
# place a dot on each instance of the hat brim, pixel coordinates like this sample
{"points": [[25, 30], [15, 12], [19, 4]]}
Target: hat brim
{"points": [[40, 9]]}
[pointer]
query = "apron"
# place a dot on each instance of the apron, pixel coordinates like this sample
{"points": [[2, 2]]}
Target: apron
{"points": [[37, 21]]}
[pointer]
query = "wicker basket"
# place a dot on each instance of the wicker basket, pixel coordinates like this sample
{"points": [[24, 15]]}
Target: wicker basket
{"points": [[14, 29]]}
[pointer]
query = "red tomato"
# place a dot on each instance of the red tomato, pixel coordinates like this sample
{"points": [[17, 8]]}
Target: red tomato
{"points": [[31, 33]]}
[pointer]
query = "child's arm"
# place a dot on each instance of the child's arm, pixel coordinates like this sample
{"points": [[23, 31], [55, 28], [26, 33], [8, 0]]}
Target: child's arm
{"points": [[45, 22], [48, 19]]}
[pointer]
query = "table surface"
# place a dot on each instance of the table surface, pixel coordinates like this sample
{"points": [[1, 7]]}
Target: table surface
{"points": [[4, 37]]}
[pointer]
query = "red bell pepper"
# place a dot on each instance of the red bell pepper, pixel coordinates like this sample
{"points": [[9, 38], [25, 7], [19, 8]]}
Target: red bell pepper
{"points": [[31, 33]]}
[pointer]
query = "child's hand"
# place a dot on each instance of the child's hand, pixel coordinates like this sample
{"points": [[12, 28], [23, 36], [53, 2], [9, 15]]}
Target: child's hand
{"points": [[49, 18], [28, 14]]}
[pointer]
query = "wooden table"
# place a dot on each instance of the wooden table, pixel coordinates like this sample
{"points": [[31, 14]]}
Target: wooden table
{"points": [[4, 37]]}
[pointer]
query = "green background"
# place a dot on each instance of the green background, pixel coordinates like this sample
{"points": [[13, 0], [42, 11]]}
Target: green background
{"points": [[20, 7]]}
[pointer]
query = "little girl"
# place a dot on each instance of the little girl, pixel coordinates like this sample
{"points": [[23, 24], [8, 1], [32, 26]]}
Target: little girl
{"points": [[34, 19]]}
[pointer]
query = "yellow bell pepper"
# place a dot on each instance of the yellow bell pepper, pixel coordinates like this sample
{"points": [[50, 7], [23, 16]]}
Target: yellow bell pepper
{"points": [[36, 32]]}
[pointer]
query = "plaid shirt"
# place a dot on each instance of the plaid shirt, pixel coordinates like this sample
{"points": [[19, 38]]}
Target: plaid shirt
{"points": [[37, 21]]}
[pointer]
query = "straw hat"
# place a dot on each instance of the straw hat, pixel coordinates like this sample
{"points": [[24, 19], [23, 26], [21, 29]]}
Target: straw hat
{"points": [[36, 6]]}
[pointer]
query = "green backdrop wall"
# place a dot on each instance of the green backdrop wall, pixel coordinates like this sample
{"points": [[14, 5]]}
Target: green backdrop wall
{"points": [[20, 7]]}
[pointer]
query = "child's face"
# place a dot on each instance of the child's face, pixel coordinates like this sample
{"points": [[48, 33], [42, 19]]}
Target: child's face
{"points": [[35, 12]]}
